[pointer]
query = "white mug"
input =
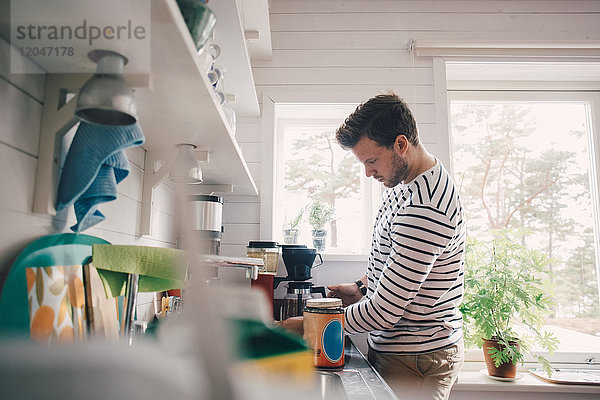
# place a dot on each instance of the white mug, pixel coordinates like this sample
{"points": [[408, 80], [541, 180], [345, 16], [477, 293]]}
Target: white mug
{"points": [[208, 54]]}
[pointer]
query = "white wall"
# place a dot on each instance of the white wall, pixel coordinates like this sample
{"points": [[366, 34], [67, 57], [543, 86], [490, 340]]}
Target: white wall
{"points": [[21, 103]]}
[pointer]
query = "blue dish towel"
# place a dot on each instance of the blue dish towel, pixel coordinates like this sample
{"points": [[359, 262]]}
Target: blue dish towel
{"points": [[95, 164]]}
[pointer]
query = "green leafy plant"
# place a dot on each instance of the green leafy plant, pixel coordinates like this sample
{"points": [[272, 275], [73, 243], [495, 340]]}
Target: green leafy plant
{"points": [[295, 222], [291, 229], [507, 297], [319, 214]]}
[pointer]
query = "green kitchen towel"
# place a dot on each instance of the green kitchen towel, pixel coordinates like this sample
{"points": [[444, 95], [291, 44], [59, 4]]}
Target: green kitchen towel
{"points": [[159, 268]]}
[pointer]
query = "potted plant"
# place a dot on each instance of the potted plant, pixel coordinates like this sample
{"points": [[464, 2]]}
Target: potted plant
{"points": [[506, 301], [291, 230], [319, 214]]}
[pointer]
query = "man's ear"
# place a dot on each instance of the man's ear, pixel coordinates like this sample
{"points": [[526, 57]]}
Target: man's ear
{"points": [[401, 143]]}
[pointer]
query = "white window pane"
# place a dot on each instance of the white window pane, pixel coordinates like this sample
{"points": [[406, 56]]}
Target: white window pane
{"points": [[526, 164], [310, 164]]}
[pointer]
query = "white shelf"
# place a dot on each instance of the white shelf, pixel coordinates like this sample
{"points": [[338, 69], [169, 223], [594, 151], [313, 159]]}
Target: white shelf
{"points": [[229, 35], [180, 106], [175, 101]]}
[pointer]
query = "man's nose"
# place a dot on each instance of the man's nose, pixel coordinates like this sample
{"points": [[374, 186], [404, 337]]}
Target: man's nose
{"points": [[370, 171]]}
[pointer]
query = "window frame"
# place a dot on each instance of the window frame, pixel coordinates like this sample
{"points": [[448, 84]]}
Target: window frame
{"points": [[564, 358], [369, 197]]}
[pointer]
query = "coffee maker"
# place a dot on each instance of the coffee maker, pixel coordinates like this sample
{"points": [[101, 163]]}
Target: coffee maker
{"points": [[299, 262]]}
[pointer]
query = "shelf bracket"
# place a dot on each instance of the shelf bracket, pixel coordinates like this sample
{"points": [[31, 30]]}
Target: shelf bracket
{"points": [[58, 117], [156, 166]]}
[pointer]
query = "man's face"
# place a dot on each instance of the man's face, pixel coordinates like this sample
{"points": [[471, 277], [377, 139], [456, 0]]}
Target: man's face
{"points": [[385, 165]]}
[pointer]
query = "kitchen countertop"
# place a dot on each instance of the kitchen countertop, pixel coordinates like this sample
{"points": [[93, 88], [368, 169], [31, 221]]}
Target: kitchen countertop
{"points": [[359, 378]]}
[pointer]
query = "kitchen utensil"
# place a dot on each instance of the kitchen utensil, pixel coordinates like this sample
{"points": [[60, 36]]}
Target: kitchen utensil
{"points": [[47, 251], [299, 262], [268, 251], [298, 293], [215, 76], [186, 169], [207, 212], [106, 99], [204, 234]]}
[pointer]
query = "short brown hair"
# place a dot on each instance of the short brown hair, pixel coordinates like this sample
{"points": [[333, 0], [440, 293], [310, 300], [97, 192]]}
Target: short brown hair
{"points": [[381, 118]]}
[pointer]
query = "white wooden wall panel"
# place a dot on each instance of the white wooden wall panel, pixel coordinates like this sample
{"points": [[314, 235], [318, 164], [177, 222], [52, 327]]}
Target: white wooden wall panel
{"points": [[343, 76], [18, 229], [241, 199], [249, 130], [331, 58], [241, 213], [16, 180], [164, 199], [164, 226], [347, 40], [398, 40], [136, 156], [32, 84], [347, 93], [233, 250], [476, 22], [251, 152], [240, 234], [19, 129], [450, 7], [426, 132], [132, 185], [254, 168]]}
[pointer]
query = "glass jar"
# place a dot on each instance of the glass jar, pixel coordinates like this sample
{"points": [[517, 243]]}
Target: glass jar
{"points": [[268, 251]]}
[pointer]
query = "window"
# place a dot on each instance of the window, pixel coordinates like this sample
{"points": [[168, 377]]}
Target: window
{"points": [[311, 168], [529, 160]]}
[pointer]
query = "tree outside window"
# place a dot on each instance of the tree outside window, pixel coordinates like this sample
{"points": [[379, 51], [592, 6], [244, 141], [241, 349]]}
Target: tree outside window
{"points": [[525, 164], [313, 169]]}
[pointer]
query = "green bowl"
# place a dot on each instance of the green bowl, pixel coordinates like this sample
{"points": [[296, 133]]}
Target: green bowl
{"points": [[199, 19]]}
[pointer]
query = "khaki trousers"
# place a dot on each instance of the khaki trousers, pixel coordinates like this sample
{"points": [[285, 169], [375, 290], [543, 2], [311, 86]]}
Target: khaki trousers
{"points": [[420, 376]]}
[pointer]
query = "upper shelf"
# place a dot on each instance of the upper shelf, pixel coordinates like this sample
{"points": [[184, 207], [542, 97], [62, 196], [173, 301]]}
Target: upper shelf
{"points": [[175, 101], [180, 106]]}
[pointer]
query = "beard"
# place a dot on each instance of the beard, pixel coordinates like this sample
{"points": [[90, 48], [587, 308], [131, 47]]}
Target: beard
{"points": [[399, 170]]}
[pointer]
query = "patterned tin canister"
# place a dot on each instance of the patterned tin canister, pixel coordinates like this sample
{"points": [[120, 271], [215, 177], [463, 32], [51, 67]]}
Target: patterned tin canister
{"points": [[324, 331]]}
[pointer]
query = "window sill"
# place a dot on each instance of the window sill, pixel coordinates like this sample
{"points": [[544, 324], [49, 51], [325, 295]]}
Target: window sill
{"points": [[476, 381], [341, 257]]}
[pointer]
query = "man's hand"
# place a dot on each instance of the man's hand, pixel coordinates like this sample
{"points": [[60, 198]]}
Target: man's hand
{"points": [[348, 292], [293, 324]]}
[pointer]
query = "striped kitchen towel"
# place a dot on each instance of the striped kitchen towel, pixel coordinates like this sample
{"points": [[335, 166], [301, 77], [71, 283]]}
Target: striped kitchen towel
{"points": [[95, 164]]}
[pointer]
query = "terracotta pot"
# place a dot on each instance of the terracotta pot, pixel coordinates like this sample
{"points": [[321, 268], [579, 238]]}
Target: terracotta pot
{"points": [[505, 370]]}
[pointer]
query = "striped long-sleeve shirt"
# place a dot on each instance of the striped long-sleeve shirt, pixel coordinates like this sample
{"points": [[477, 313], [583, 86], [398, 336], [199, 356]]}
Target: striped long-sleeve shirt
{"points": [[415, 269]]}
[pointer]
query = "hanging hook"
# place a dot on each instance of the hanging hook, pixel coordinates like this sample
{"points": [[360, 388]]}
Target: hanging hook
{"points": [[411, 45]]}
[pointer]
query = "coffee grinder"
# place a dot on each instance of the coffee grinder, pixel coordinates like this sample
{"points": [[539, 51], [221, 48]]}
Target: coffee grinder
{"points": [[299, 261]]}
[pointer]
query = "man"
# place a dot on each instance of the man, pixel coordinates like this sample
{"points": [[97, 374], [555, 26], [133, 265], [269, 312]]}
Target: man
{"points": [[408, 299]]}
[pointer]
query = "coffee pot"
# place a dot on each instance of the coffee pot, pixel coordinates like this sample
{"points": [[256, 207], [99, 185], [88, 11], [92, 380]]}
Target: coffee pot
{"points": [[298, 292], [299, 262]]}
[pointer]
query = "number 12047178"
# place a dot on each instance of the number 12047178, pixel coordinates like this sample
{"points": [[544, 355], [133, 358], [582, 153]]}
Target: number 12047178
{"points": [[47, 51]]}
